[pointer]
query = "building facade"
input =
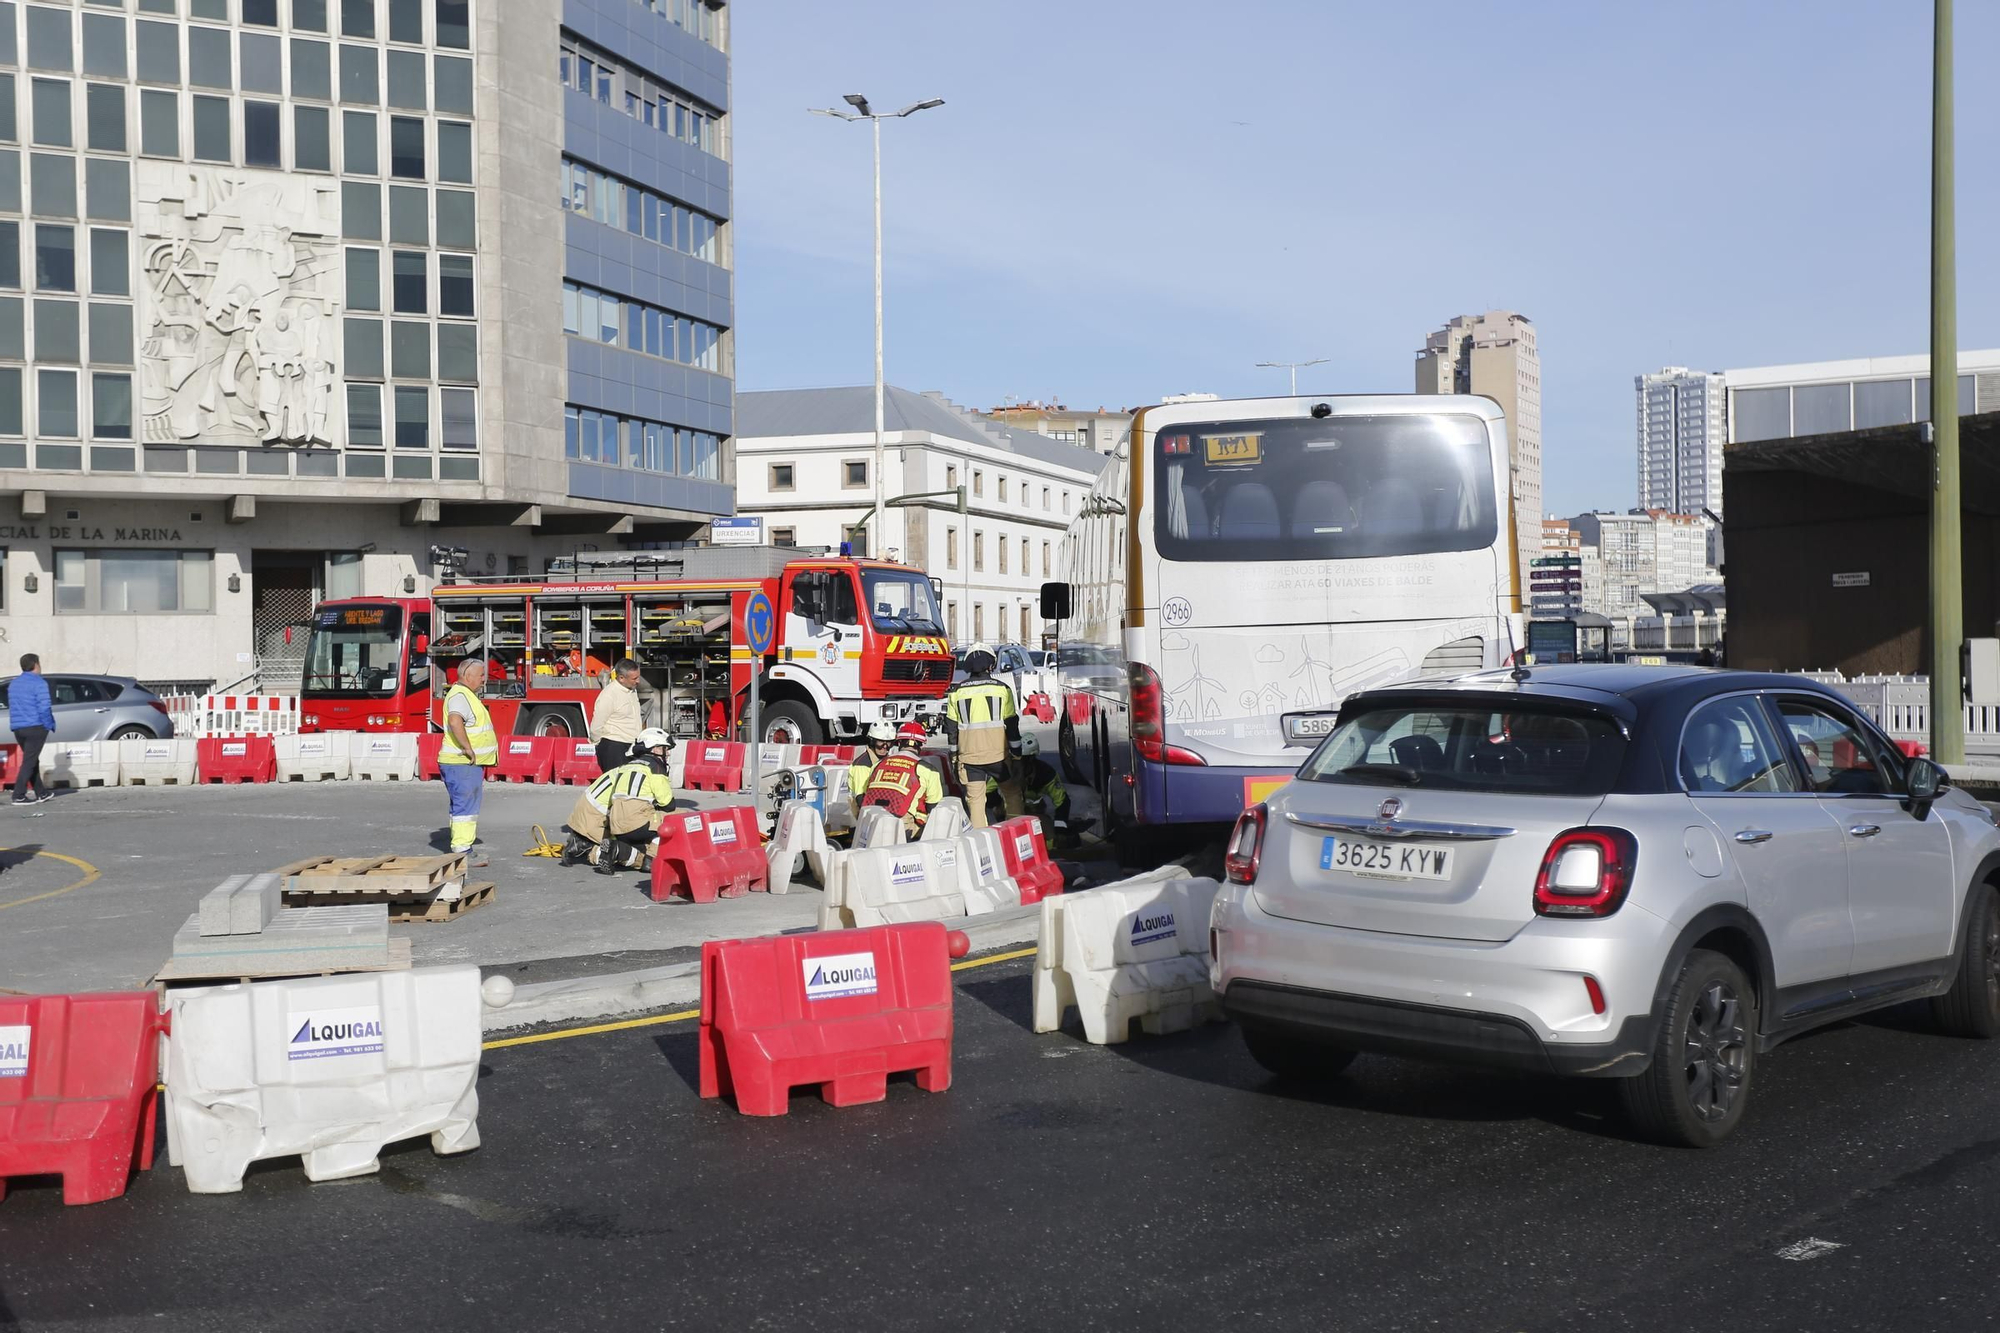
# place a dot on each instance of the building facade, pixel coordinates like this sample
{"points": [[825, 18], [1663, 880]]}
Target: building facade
{"points": [[1821, 397], [1494, 354], [1639, 553], [292, 300], [805, 466], [1681, 431], [1101, 431]]}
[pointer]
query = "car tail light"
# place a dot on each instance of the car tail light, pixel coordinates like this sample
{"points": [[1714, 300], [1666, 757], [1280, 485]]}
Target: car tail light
{"points": [[1586, 872], [158, 707], [1246, 846], [1149, 719]]}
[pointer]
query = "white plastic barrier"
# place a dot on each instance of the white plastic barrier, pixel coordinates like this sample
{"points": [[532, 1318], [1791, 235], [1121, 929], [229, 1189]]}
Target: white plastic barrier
{"points": [[1135, 949], [876, 827], [771, 759], [81, 763], [375, 756], [947, 821], [801, 834], [145, 761], [982, 873], [200, 715], [876, 886], [318, 757], [840, 809], [330, 1068]]}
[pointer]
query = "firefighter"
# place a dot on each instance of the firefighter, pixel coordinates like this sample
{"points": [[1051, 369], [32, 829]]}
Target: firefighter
{"points": [[984, 729], [618, 816], [1042, 786], [881, 736], [903, 784]]}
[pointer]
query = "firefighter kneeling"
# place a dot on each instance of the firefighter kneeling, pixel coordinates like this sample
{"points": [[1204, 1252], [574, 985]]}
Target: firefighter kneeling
{"points": [[903, 784], [618, 816]]}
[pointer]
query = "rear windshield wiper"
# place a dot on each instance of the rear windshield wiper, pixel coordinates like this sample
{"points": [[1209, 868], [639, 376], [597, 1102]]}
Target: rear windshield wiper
{"points": [[1408, 777]]}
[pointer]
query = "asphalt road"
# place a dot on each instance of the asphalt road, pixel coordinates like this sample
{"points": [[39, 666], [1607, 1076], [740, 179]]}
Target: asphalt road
{"points": [[1165, 1184]]}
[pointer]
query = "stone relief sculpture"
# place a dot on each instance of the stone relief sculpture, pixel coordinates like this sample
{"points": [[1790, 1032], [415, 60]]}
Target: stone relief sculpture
{"points": [[240, 305]]}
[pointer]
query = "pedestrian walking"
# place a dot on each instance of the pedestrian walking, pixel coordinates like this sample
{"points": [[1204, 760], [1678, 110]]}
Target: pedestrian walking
{"points": [[470, 747], [33, 721], [616, 718], [984, 729]]}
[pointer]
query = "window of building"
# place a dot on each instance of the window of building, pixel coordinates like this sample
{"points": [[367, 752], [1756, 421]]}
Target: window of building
{"points": [[779, 537], [55, 401], [104, 118], [452, 24], [1000, 549], [48, 38], [950, 476], [781, 476], [978, 551], [261, 134], [406, 147], [856, 540], [978, 621], [618, 203], [49, 102], [357, 18], [1065, 496], [951, 548], [951, 619], [413, 417], [364, 416], [457, 419], [134, 582], [978, 482], [1024, 556], [211, 130], [1001, 484], [312, 138], [410, 282], [1045, 560], [455, 286], [1024, 625], [454, 152], [854, 474]]}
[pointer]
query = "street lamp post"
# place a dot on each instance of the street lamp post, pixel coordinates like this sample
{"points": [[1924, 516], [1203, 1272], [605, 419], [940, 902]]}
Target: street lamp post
{"points": [[1293, 367], [1947, 604], [862, 111]]}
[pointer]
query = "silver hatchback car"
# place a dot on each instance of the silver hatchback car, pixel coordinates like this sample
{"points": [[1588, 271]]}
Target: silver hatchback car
{"points": [[1633, 873]]}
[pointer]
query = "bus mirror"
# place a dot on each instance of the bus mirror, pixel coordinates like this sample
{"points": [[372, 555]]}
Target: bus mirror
{"points": [[1055, 601]]}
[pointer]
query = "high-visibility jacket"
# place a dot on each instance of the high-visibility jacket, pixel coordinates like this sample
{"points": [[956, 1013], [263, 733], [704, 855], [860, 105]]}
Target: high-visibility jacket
{"points": [[478, 733], [980, 719], [636, 778], [859, 773], [1039, 779], [904, 785]]}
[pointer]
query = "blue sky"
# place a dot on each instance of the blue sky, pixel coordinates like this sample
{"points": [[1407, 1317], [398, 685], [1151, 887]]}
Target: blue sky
{"points": [[1121, 200]]}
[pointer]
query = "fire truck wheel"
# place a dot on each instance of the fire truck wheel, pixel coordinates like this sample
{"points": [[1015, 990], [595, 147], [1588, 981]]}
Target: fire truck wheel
{"points": [[789, 723], [551, 722]]}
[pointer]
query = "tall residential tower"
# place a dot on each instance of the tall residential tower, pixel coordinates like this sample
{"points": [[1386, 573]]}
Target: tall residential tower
{"points": [[1681, 430], [1494, 354]]}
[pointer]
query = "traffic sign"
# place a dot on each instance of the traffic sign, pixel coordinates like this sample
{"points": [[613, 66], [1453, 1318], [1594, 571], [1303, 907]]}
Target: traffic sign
{"points": [[760, 624]]}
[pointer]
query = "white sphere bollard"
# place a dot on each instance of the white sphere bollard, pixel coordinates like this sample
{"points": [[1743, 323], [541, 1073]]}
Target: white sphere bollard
{"points": [[496, 991]]}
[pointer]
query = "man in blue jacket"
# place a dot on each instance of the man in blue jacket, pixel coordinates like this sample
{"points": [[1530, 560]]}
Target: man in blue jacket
{"points": [[33, 722]]}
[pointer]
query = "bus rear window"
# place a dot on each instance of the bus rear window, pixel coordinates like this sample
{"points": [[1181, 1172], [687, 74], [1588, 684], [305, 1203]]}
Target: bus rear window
{"points": [[1331, 489]]}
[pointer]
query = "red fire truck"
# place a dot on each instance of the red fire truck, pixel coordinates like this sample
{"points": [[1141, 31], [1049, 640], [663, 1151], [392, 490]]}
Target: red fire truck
{"points": [[854, 642]]}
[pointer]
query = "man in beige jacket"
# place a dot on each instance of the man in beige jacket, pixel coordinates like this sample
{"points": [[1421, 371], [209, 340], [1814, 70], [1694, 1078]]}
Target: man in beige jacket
{"points": [[616, 719]]}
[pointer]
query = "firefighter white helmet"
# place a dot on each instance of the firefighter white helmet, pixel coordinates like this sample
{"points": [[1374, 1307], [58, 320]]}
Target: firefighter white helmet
{"points": [[652, 738], [882, 733], [1030, 747]]}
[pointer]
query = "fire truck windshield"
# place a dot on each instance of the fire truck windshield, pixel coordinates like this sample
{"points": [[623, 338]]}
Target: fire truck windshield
{"points": [[355, 650], [901, 601]]}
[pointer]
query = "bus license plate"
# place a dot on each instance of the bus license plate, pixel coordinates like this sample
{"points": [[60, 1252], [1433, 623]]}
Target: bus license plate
{"points": [[1384, 860], [1234, 448]]}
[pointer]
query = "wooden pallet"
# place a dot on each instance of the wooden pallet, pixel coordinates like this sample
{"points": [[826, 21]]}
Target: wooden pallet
{"points": [[439, 909], [346, 876], [187, 970]]}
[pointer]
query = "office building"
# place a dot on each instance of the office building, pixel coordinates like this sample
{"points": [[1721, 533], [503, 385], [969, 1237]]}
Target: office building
{"points": [[1641, 552], [309, 298], [1681, 431], [1494, 354]]}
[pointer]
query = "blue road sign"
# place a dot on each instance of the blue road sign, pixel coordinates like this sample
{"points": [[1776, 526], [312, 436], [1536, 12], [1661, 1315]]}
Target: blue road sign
{"points": [[760, 623]]}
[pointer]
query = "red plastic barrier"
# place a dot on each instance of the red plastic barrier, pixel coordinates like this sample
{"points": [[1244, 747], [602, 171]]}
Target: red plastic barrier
{"points": [[235, 759], [841, 1008], [575, 763], [10, 765], [524, 759], [428, 746], [78, 1089], [827, 754], [714, 766], [1028, 860], [703, 855], [1039, 708], [1913, 749]]}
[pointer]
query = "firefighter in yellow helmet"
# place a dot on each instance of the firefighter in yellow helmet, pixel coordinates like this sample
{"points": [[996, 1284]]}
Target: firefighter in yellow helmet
{"points": [[984, 728]]}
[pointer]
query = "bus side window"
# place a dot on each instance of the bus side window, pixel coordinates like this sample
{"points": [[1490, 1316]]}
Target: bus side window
{"points": [[420, 662]]}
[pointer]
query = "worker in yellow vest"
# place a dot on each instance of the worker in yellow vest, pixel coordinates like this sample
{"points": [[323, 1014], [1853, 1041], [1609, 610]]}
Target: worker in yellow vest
{"points": [[903, 784], [985, 732], [469, 748]]}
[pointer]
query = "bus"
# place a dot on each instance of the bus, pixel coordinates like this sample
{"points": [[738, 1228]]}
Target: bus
{"points": [[854, 642], [1241, 567]]}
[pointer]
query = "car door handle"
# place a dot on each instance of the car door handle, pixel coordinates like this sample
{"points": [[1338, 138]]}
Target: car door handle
{"points": [[1864, 830], [1753, 835]]}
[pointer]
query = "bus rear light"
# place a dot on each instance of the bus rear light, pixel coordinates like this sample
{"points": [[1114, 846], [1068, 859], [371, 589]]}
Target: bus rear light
{"points": [[1176, 444], [1149, 719], [1246, 846]]}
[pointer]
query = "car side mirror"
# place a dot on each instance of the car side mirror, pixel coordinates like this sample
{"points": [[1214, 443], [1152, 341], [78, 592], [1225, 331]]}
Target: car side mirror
{"points": [[1927, 783], [1055, 601]]}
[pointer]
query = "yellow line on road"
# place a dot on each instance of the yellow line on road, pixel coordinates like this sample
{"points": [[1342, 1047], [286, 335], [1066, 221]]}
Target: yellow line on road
{"points": [[683, 1015], [90, 876]]}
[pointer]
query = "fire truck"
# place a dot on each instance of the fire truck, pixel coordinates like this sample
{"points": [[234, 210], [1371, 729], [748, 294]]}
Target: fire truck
{"points": [[853, 642]]}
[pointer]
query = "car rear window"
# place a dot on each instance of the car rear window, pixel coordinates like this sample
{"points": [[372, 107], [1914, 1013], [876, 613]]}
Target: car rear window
{"points": [[1472, 747]]}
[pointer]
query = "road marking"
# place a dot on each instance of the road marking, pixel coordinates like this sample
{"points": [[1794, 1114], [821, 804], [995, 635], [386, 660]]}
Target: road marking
{"points": [[683, 1015], [91, 873], [1812, 1247]]}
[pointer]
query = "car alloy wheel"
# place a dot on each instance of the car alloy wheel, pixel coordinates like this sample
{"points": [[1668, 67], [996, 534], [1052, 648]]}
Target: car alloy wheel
{"points": [[1716, 1044]]}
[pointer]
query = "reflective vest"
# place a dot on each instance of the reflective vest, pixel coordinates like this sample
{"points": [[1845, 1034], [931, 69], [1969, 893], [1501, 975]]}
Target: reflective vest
{"points": [[478, 733], [637, 778], [979, 710], [902, 786], [858, 774]]}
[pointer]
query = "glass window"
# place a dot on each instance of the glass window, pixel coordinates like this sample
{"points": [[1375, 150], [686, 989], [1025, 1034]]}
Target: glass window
{"points": [[452, 80], [263, 62], [208, 58], [454, 152], [159, 124], [358, 143], [1727, 746], [104, 45], [110, 262], [159, 51], [9, 54], [10, 254], [411, 283], [1470, 747], [413, 417], [108, 189], [1820, 408], [361, 211], [457, 225], [406, 147], [460, 420], [358, 71], [406, 80], [56, 331], [406, 21], [261, 13], [409, 349], [364, 279], [10, 180], [52, 185], [458, 352], [49, 103], [1882, 403], [10, 130], [455, 294], [311, 69], [1966, 397], [209, 9], [1760, 414], [312, 148], [55, 401], [364, 416], [212, 130], [49, 41], [454, 24], [13, 328], [10, 401], [363, 347], [104, 117], [1839, 757], [408, 223], [261, 135], [55, 258], [309, 15], [357, 18], [111, 407]]}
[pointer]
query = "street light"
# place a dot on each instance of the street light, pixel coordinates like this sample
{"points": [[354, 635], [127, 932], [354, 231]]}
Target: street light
{"points": [[862, 112], [1292, 366]]}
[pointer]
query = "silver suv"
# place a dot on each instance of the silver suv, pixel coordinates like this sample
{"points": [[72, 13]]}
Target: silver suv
{"points": [[1642, 874]]}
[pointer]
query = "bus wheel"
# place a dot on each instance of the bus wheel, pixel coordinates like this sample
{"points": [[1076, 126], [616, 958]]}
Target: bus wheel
{"points": [[1066, 750], [557, 722], [789, 723]]}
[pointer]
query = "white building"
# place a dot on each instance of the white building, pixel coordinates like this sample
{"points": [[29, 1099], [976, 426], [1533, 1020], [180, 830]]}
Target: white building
{"points": [[1101, 431], [1814, 398], [1681, 430], [1645, 551], [804, 466]]}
